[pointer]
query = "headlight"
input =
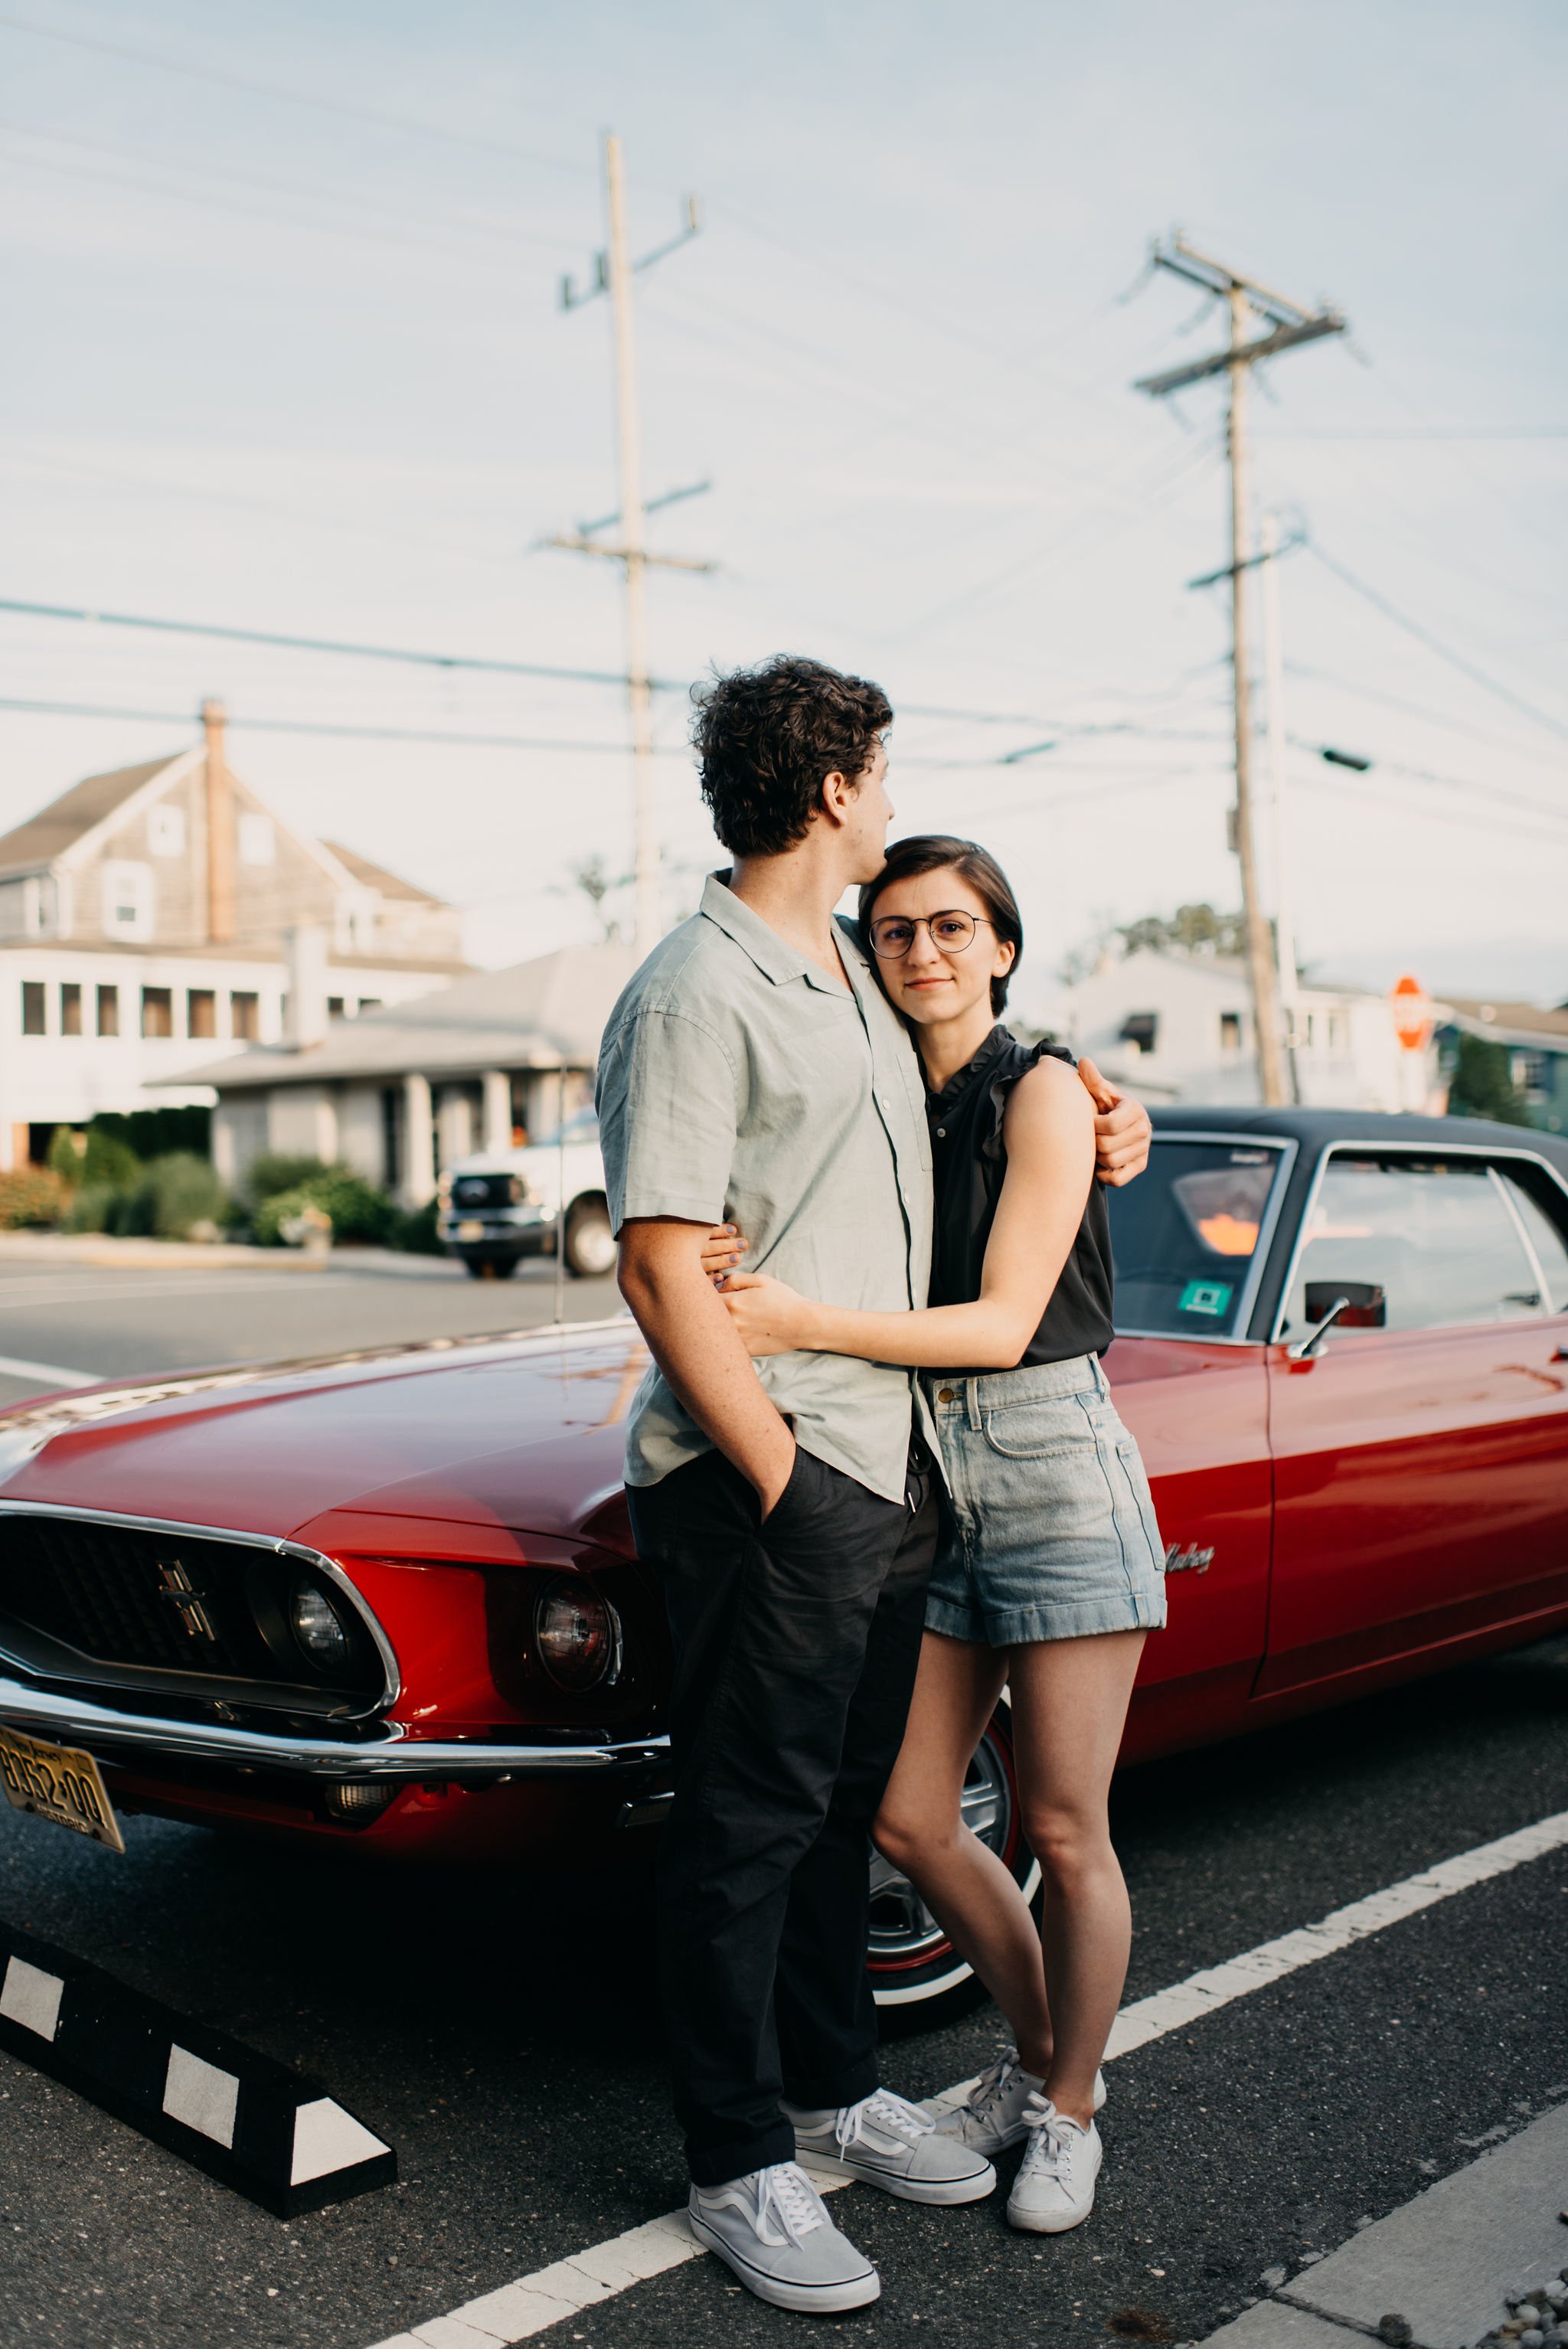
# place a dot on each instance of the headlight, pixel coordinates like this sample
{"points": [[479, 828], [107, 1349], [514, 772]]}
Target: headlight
{"points": [[577, 1636], [317, 1625]]}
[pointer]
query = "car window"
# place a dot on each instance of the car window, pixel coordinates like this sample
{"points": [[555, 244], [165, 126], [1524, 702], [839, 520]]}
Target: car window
{"points": [[1435, 1237], [1546, 1240], [1184, 1234]]}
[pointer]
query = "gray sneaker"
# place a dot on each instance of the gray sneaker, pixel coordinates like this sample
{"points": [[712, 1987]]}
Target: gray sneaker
{"points": [[992, 2117], [888, 2143], [1054, 2188], [771, 2228]]}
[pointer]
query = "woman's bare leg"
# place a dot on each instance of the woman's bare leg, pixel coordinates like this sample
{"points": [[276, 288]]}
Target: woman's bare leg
{"points": [[920, 1827], [1069, 1705]]}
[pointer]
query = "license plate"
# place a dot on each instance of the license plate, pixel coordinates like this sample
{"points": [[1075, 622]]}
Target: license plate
{"points": [[58, 1782], [470, 1231]]}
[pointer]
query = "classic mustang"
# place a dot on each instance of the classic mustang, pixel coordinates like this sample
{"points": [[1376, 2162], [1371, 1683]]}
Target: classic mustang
{"points": [[390, 1601]]}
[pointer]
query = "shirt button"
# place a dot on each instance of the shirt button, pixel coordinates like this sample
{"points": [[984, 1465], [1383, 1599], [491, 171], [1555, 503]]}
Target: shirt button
{"points": [[945, 1394]]}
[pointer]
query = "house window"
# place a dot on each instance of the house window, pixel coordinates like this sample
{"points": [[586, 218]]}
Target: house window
{"points": [[108, 1011], [391, 1136], [1310, 1028], [201, 1012], [258, 843], [245, 1017], [157, 1011], [166, 831], [70, 1008], [334, 1007], [1335, 1031], [128, 901], [370, 1003], [1532, 1075], [1141, 1029], [1230, 1033], [32, 1008]]}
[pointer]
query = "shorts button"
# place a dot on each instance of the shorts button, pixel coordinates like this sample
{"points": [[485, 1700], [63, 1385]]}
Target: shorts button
{"points": [[945, 1394]]}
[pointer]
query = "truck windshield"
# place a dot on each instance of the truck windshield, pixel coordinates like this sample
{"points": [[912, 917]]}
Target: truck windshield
{"points": [[583, 1127], [1184, 1235]]}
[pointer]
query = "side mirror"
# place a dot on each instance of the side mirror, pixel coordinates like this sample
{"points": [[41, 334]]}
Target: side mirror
{"points": [[1365, 1306]]}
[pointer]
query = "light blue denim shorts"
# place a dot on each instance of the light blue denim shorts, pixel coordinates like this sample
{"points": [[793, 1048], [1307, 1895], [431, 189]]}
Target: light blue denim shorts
{"points": [[1048, 1532]]}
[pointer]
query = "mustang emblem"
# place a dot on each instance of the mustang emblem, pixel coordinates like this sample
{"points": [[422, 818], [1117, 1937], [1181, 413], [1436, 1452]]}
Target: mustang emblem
{"points": [[1190, 1560], [177, 1587]]}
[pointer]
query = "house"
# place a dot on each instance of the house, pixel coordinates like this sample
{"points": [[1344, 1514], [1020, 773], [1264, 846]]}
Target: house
{"points": [[404, 1090], [1175, 1026], [1536, 1042], [152, 916]]}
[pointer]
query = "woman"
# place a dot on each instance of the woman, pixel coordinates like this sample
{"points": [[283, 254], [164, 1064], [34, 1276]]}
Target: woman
{"points": [[1050, 1571]]}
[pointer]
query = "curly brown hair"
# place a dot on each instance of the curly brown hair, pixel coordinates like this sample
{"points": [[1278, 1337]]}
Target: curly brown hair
{"points": [[767, 737]]}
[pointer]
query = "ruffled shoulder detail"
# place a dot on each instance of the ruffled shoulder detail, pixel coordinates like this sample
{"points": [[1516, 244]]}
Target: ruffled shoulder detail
{"points": [[1016, 1062]]}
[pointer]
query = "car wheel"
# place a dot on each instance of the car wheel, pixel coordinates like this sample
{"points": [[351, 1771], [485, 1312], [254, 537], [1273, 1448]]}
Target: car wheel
{"points": [[918, 1978], [590, 1243]]}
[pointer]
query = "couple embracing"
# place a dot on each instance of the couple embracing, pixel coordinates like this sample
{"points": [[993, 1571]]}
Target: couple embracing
{"points": [[878, 1476]]}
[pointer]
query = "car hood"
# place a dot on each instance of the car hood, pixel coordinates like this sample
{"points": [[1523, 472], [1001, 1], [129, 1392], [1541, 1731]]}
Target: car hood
{"points": [[525, 1431]]}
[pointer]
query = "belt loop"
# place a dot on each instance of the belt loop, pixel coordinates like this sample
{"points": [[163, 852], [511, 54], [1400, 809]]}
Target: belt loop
{"points": [[1102, 1383], [972, 1397]]}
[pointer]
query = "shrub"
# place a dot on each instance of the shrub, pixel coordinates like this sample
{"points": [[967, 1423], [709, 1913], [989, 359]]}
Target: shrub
{"points": [[175, 1192], [65, 1158], [1482, 1083], [359, 1211], [31, 1196], [157, 1132], [416, 1233], [109, 1164], [278, 1170], [91, 1207]]}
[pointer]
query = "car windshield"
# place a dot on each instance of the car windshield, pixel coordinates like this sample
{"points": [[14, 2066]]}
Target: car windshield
{"points": [[1184, 1234], [583, 1127]]}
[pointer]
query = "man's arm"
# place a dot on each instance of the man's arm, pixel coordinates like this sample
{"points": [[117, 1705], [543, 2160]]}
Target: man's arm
{"points": [[699, 1349]]}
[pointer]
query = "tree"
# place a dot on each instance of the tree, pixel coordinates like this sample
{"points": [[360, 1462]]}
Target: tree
{"points": [[1191, 929], [1482, 1083], [596, 885]]}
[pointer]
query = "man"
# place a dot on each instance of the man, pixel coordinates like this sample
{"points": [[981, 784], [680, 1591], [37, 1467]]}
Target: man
{"points": [[754, 1069]]}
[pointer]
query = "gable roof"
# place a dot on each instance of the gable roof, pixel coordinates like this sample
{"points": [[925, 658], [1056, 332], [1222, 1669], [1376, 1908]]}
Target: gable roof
{"points": [[1510, 1023], [376, 877], [75, 813]]}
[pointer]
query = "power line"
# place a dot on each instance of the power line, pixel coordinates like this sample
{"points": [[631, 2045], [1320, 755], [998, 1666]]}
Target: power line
{"points": [[1444, 783], [1422, 432], [327, 644], [1419, 710], [1434, 645], [351, 733], [1437, 815]]}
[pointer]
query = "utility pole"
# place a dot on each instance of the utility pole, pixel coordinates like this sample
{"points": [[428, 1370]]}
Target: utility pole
{"points": [[1290, 324], [1285, 925], [613, 274]]}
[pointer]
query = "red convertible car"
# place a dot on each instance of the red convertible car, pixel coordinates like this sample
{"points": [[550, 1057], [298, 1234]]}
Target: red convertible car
{"points": [[389, 1601]]}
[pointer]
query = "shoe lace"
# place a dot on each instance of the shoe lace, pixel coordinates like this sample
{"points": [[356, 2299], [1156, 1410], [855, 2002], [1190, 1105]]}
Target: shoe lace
{"points": [[992, 2085], [1050, 2150], [788, 2195], [883, 2111]]}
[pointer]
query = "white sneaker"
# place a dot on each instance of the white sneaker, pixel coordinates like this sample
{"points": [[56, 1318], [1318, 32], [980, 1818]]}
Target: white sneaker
{"points": [[770, 2228], [1055, 2185], [992, 2117], [888, 2142]]}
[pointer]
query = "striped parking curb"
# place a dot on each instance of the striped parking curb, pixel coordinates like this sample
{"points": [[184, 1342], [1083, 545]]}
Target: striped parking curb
{"points": [[518, 2311], [247, 2121]]}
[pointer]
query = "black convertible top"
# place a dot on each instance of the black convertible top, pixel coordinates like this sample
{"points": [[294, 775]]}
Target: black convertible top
{"points": [[1314, 1127]]}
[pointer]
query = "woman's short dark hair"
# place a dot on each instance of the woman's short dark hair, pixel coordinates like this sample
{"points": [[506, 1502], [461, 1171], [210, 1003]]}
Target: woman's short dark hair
{"points": [[932, 851], [768, 737]]}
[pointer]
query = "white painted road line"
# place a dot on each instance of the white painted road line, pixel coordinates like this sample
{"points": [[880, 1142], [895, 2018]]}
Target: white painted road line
{"points": [[536, 2302], [49, 1374]]}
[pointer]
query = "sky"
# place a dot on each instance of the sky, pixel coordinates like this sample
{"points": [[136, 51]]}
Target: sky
{"points": [[286, 352]]}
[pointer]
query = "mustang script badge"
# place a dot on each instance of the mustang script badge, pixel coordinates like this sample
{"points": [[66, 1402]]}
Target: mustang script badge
{"points": [[1190, 1560]]}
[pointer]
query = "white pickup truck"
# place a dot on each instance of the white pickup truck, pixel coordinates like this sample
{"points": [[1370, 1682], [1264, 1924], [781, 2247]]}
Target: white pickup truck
{"points": [[498, 1206]]}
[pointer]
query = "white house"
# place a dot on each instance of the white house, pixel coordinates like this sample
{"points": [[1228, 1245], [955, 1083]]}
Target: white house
{"points": [[152, 916], [1179, 1027], [409, 1088]]}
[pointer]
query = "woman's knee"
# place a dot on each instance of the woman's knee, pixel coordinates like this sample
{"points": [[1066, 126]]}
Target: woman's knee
{"points": [[1068, 1845], [904, 1834]]}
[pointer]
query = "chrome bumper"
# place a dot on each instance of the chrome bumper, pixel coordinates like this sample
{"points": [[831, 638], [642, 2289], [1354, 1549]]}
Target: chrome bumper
{"points": [[386, 1755]]}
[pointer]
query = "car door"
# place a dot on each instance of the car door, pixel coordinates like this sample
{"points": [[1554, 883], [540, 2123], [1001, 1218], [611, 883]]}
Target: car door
{"points": [[1418, 1466]]}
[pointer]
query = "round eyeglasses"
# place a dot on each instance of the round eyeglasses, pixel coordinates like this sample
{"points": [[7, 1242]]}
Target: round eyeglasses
{"points": [[893, 935]]}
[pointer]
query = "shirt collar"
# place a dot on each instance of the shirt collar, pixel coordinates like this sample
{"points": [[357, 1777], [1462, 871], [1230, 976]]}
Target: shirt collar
{"points": [[774, 956], [995, 1043]]}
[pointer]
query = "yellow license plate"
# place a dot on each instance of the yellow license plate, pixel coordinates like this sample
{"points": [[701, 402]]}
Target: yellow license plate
{"points": [[470, 1231], [58, 1782]]}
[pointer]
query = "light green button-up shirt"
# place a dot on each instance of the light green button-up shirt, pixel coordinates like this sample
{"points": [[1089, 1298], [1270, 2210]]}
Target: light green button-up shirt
{"points": [[736, 1079]]}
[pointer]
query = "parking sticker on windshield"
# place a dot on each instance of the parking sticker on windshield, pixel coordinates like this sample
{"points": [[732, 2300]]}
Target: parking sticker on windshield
{"points": [[1209, 1297]]}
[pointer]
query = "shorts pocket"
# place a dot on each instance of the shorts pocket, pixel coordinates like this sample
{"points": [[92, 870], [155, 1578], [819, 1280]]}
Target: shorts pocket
{"points": [[1034, 1431]]}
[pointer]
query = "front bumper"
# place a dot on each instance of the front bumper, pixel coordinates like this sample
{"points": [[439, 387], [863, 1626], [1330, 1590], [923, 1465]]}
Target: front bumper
{"points": [[522, 1228], [386, 1755]]}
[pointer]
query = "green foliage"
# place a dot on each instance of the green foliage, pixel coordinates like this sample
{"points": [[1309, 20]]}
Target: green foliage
{"points": [[31, 1196], [359, 1211], [1482, 1083], [174, 1193], [92, 1204], [1191, 929], [65, 1159], [110, 1164], [157, 1132], [416, 1233], [280, 1170]]}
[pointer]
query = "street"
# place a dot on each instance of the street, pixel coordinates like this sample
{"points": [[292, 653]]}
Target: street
{"points": [[503, 2034]]}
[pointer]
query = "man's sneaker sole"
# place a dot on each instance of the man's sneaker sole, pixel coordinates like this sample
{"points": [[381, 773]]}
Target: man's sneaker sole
{"points": [[943, 2192], [825, 2298]]}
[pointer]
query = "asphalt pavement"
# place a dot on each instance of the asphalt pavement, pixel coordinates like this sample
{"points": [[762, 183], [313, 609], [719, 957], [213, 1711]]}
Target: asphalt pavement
{"points": [[501, 2030]]}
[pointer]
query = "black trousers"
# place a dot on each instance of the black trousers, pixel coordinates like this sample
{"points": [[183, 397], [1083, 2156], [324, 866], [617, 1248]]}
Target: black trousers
{"points": [[796, 1646]]}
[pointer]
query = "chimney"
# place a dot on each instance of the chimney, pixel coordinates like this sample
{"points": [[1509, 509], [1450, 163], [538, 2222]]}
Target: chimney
{"points": [[220, 829], [305, 963]]}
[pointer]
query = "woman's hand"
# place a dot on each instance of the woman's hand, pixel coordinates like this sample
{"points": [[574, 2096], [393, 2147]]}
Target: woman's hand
{"points": [[771, 1317], [721, 1252]]}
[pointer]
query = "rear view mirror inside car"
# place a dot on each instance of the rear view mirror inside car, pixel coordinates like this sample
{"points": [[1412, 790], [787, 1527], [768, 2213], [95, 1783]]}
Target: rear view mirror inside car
{"points": [[1367, 1308]]}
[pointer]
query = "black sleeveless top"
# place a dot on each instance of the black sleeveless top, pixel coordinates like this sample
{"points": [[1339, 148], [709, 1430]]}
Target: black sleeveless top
{"points": [[970, 1165]]}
